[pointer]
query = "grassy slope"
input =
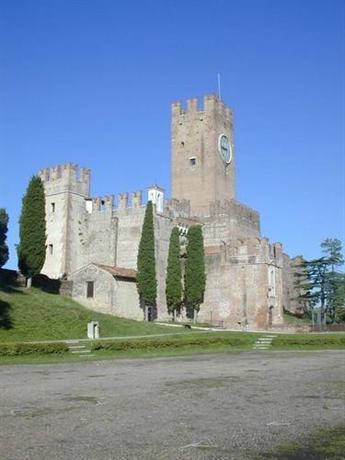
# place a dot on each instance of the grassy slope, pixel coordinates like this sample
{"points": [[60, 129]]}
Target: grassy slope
{"points": [[36, 315]]}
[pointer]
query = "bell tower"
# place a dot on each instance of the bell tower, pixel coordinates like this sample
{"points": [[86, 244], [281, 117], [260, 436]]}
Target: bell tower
{"points": [[202, 156]]}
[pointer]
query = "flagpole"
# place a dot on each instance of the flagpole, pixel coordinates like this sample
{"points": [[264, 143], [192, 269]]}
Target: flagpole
{"points": [[219, 93]]}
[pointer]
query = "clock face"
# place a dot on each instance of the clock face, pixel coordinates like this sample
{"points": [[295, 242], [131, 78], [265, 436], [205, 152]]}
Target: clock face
{"points": [[224, 148]]}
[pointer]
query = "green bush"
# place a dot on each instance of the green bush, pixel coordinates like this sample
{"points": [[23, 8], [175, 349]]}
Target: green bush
{"points": [[167, 343], [20, 349]]}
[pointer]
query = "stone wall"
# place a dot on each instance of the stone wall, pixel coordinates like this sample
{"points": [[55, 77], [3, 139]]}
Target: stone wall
{"points": [[228, 221], [97, 233], [290, 292], [66, 188], [130, 222], [126, 300], [117, 297], [244, 284]]}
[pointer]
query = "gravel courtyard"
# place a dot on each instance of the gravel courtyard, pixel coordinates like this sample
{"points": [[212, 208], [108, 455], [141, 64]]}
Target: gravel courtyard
{"points": [[220, 406]]}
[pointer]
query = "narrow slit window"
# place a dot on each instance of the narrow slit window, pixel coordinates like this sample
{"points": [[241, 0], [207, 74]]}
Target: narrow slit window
{"points": [[90, 289], [51, 249], [52, 207]]}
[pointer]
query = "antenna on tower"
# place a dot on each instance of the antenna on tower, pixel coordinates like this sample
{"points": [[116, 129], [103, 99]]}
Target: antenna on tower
{"points": [[219, 93]]}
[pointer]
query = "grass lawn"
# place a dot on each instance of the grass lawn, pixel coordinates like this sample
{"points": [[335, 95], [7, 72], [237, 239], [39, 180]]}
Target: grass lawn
{"points": [[31, 314]]}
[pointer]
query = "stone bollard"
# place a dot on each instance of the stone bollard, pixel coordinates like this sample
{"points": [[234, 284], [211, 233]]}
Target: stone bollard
{"points": [[93, 330]]}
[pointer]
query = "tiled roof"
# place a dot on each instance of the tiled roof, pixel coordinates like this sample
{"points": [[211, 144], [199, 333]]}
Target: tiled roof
{"points": [[119, 271]]}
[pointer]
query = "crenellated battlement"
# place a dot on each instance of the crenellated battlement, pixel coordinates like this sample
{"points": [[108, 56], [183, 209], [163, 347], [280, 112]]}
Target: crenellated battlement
{"points": [[129, 200], [111, 203], [68, 176], [100, 204], [137, 199], [248, 251], [211, 104]]}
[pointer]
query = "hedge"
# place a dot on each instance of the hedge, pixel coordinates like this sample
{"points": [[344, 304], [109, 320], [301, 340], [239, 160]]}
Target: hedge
{"points": [[19, 349], [172, 343], [309, 340]]}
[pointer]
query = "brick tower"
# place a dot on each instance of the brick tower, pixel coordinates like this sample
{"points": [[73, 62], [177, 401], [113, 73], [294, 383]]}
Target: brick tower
{"points": [[202, 154]]}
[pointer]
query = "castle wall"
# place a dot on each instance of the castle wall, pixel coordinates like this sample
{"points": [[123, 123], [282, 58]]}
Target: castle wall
{"points": [[130, 222], [232, 220], [290, 291], [97, 232], [244, 284], [65, 188]]}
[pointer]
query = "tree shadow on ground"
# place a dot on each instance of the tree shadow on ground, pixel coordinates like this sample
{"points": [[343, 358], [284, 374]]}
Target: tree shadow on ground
{"points": [[5, 315], [11, 289]]}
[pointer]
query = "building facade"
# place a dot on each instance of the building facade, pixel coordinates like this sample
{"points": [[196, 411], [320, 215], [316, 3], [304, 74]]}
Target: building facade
{"points": [[245, 272]]}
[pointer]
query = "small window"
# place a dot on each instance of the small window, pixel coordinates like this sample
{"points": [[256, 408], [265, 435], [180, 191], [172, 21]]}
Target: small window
{"points": [[192, 161], [51, 249], [182, 144], [52, 207], [90, 289]]}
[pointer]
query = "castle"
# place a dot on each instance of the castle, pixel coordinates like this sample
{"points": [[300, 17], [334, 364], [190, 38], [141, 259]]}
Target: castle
{"points": [[94, 241]]}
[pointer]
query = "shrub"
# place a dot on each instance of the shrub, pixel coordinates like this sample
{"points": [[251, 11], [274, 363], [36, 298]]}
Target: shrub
{"points": [[20, 349], [167, 343], [309, 340]]}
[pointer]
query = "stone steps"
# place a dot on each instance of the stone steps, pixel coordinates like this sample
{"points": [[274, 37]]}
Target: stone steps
{"points": [[263, 343], [76, 348]]}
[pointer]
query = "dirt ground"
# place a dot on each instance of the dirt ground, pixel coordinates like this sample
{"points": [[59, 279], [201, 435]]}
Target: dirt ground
{"points": [[219, 406]]}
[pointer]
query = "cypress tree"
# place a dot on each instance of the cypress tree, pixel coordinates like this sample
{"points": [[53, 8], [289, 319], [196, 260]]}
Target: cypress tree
{"points": [[173, 289], [146, 265], [195, 278], [3, 236], [32, 230]]}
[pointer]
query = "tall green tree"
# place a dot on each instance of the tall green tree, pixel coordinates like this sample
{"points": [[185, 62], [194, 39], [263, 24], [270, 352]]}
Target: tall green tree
{"points": [[195, 277], [318, 282], [3, 235], [32, 230], [333, 250], [334, 280], [146, 266], [173, 287], [338, 297]]}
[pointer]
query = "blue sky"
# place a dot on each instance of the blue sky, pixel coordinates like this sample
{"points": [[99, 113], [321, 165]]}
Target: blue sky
{"points": [[91, 82]]}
